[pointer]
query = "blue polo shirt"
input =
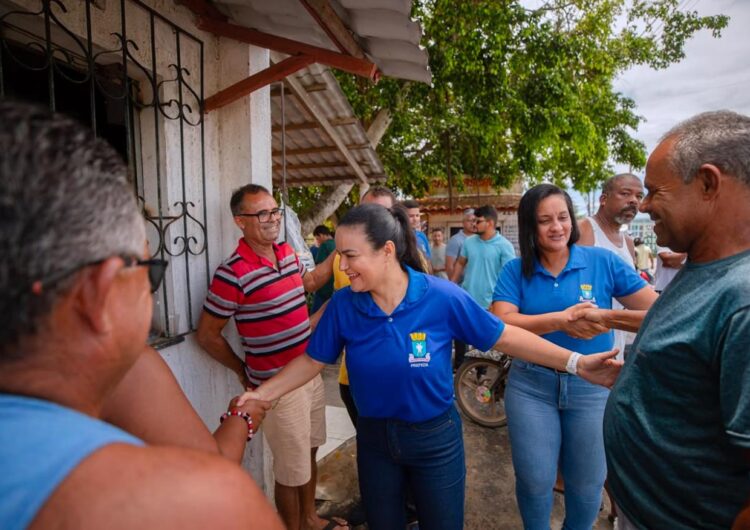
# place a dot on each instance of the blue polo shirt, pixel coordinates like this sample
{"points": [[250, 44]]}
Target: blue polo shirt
{"points": [[400, 364], [592, 274], [423, 243]]}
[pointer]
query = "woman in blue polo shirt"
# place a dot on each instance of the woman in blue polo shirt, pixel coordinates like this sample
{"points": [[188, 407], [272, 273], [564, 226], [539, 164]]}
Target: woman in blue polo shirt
{"points": [[564, 293], [397, 325]]}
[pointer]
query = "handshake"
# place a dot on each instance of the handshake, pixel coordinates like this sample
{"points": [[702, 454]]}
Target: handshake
{"points": [[584, 321]]}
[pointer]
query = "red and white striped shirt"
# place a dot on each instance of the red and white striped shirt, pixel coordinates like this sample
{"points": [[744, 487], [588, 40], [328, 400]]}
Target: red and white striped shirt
{"points": [[268, 306]]}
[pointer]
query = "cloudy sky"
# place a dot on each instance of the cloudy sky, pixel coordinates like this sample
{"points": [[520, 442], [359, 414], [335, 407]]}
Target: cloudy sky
{"points": [[715, 74]]}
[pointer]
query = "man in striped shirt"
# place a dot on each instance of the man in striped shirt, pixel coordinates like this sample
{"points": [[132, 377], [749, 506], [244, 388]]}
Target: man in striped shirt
{"points": [[262, 285]]}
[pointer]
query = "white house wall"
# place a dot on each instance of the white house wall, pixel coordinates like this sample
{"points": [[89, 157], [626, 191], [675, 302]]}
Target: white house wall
{"points": [[237, 151]]}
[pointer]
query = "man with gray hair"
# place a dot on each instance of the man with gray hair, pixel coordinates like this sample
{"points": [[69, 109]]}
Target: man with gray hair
{"points": [[677, 424], [75, 303]]}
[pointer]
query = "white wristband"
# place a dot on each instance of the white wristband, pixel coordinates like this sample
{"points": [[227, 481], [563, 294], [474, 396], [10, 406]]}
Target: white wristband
{"points": [[572, 365]]}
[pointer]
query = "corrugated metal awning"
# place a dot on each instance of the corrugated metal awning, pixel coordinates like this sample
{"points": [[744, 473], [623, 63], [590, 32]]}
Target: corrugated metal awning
{"points": [[383, 29], [315, 105]]}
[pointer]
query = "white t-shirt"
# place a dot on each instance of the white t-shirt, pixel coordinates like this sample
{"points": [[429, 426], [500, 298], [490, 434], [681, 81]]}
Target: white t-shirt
{"points": [[664, 275]]}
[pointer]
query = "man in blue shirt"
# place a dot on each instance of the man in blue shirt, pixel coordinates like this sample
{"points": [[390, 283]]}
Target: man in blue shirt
{"points": [[415, 218], [677, 424], [483, 257]]}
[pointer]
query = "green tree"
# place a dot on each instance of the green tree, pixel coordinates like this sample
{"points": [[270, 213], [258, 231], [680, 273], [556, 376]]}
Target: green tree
{"points": [[523, 92]]}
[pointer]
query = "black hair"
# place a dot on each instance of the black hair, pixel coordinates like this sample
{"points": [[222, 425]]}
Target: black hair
{"points": [[322, 230], [486, 212], [381, 224], [527, 223], [239, 194], [409, 204]]}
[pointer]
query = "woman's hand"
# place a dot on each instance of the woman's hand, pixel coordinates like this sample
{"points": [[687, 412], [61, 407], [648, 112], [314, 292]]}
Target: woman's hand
{"points": [[576, 323], [600, 368], [254, 406]]}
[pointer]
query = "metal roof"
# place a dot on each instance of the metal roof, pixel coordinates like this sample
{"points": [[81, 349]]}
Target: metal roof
{"points": [[501, 201], [382, 28], [313, 158]]}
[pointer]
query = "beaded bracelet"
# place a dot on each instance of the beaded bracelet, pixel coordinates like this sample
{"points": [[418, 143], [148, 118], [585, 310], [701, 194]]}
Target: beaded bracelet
{"points": [[243, 415]]}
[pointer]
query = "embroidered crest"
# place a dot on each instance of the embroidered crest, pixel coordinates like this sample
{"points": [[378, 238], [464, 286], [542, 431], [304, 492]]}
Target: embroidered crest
{"points": [[419, 355], [587, 293]]}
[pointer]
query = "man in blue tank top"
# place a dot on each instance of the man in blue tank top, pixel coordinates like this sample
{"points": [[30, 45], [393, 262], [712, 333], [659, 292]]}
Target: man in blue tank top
{"points": [[677, 424], [75, 302]]}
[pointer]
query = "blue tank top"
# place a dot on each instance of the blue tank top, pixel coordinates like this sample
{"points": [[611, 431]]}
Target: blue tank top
{"points": [[40, 444]]}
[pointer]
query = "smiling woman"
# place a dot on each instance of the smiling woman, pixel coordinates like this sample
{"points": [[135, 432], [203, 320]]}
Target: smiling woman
{"points": [[562, 292], [399, 359]]}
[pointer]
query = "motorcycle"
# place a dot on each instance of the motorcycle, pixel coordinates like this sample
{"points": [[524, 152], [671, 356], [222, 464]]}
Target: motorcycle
{"points": [[479, 385]]}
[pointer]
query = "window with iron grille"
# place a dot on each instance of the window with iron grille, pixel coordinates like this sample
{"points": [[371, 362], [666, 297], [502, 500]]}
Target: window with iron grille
{"points": [[136, 79]]}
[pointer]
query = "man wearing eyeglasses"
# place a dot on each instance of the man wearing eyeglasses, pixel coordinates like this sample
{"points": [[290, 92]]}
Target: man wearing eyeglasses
{"points": [[75, 306], [262, 285]]}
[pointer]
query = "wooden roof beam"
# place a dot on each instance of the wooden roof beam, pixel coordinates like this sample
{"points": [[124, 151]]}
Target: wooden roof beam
{"points": [[331, 23], [271, 74], [336, 122], [322, 149], [306, 101], [347, 63], [315, 165]]}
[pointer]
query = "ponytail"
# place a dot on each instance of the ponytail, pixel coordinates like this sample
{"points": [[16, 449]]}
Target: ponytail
{"points": [[381, 225], [406, 249]]}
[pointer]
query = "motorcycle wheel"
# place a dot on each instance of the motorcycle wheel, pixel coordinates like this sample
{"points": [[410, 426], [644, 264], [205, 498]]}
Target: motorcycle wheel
{"points": [[479, 385]]}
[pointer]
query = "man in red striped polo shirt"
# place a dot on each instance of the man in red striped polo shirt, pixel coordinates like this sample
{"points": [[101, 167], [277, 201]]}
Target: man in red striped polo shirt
{"points": [[262, 285]]}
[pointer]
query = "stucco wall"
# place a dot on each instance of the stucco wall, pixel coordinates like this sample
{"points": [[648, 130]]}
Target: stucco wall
{"points": [[237, 151]]}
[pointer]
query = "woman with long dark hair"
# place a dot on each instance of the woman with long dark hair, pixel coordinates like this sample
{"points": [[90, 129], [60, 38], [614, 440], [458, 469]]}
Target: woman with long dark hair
{"points": [[397, 324], [564, 293]]}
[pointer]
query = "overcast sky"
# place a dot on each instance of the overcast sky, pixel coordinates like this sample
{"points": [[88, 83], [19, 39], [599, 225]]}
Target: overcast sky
{"points": [[715, 74]]}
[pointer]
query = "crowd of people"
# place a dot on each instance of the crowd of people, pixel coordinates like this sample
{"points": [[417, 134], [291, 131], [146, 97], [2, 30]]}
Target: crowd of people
{"points": [[96, 432]]}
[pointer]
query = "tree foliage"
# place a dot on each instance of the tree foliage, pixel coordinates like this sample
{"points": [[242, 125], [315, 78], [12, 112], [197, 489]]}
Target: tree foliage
{"points": [[522, 92]]}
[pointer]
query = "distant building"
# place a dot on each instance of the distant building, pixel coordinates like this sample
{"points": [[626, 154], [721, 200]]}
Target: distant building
{"points": [[643, 227], [440, 209]]}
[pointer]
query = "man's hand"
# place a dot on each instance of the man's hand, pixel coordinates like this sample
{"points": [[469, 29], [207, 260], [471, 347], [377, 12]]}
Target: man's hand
{"points": [[257, 409], [239, 401], [577, 325], [600, 368]]}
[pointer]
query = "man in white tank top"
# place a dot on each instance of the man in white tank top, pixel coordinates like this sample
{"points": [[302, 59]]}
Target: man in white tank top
{"points": [[618, 205]]}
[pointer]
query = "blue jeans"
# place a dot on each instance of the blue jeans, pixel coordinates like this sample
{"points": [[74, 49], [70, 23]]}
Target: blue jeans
{"points": [[428, 456], [556, 418]]}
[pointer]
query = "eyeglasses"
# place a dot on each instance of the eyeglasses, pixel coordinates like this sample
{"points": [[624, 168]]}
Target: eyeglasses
{"points": [[156, 269], [264, 216]]}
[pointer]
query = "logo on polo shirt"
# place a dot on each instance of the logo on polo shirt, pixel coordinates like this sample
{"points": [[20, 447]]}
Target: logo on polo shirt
{"points": [[587, 293], [419, 355]]}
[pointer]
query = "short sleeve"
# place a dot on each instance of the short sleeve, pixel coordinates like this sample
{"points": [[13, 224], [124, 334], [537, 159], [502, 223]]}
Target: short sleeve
{"points": [[452, 248], [508, 286], [472, 324], [625, 278], [224, 294], [327, 342], [734, 373], [465, 248]]}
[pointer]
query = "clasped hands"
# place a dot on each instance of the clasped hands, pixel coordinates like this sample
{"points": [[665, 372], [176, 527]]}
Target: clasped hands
{"points": [[254, 406], [584, 321]]}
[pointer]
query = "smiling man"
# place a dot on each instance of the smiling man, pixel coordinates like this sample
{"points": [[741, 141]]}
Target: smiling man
{"points": [[677, 424], [262, 285]]}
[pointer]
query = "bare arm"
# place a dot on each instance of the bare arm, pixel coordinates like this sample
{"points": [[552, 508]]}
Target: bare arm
{"points": [[587, 233], [210, 339], [294, 375], [629, 319], [316, 278], [150, 404], [449, 262], [458, 269], [564, 321], [597, 368]]}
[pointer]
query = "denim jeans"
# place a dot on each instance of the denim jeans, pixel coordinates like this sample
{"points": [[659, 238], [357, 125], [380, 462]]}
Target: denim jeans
{"points": [[428, 456], [553, 419]]}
